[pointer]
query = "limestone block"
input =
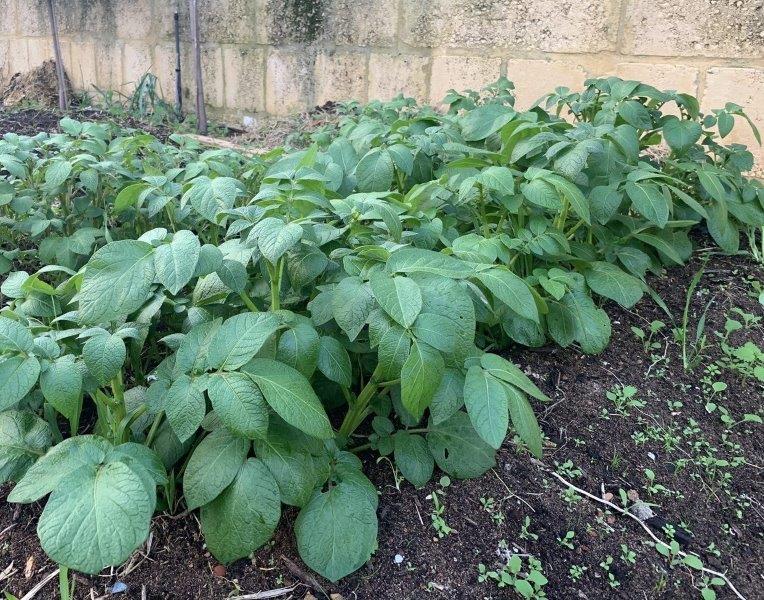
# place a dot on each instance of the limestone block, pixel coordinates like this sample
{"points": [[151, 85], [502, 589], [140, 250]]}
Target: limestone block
{"points": [[18, 57], [129, 19], [681, 78], [547, 25], [743, 86], [535, 78], [460, 73], [5, 61], [164, 68], [109, 64], [694, 28], [339, 76], [288, 80], [40, 50], [33, 18], [8, 21], [82, 65], [244, 78], [361, 22], [137, 61], [393, 74], [228, 21], [212, 74]]}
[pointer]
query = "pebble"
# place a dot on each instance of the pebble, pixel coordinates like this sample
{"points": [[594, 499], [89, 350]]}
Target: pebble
{"points": [[219, 571], [641, 510], [398, 559], [118, 588]]}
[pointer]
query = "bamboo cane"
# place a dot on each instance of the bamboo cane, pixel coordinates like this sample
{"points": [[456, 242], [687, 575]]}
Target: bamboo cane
{"points": [[63, 101], [178, 84], [201, 113]]}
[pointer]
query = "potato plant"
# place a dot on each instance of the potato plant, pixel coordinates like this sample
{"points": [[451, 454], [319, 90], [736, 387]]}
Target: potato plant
{"points": [[242, 328]]}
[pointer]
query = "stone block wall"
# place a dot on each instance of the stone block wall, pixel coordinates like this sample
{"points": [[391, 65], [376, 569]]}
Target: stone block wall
{"points": [[283, 56]]}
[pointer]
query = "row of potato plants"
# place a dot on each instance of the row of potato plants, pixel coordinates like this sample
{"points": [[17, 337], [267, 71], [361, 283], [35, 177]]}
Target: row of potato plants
{"points": [[198, 327]]}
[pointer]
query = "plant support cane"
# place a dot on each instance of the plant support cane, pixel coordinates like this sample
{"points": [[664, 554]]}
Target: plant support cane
{"points": [[201, 112], [63, 101]]}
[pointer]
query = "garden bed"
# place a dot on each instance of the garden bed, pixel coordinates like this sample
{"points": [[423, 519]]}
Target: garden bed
{"points": [[261, 337], [178, 567], [29, 121]]}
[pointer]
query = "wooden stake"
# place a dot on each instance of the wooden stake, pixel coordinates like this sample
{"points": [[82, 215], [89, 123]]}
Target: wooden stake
{"points": [[201, 113], [63, 101]]}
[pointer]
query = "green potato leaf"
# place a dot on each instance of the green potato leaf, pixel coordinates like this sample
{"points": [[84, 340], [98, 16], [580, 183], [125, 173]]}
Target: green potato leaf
{"points": [[337, 530], [244, 516], [23, 438], [175, 263], [239, 403], [96, 518], [413, 458], [486, 402], [399, 297], [212, 467], [61, 385], [18, 376], [240, 338], [290, 394], [117, 281], [104, 356], [420, 377], [458, 449]]}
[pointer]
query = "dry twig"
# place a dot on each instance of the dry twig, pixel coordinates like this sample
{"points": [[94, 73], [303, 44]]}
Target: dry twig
{"points": [[33, 592]]}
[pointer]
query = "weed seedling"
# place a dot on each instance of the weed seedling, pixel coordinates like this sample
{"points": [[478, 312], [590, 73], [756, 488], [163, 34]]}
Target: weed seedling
{"points": [[567, 540], [611, 578], [438, 509], [624, 398], [528, 584], [525, 531], [627, 555], [577, 572], [490, 506]]}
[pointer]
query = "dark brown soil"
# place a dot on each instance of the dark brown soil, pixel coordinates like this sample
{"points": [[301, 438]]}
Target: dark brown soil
{"points": [[30, 121]]}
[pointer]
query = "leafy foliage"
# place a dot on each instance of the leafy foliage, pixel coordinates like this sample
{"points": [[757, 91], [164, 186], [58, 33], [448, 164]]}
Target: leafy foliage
{"points": [[235, 324]]}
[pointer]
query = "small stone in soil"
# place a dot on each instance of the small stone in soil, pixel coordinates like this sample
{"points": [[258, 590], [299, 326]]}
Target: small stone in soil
{"points": [[118, 588], [219, 570], [641, 510], [398, 559]]}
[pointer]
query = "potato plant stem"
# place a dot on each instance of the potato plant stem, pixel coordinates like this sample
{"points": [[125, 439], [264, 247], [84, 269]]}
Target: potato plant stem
{"points": [[248, 301], [275, 272], [117, 411], [359, 410], [154, 429]]}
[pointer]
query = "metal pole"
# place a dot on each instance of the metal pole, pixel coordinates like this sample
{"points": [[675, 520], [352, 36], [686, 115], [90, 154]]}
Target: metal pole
{"points": [[178, 86], [63, 101], [201, 113]]}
